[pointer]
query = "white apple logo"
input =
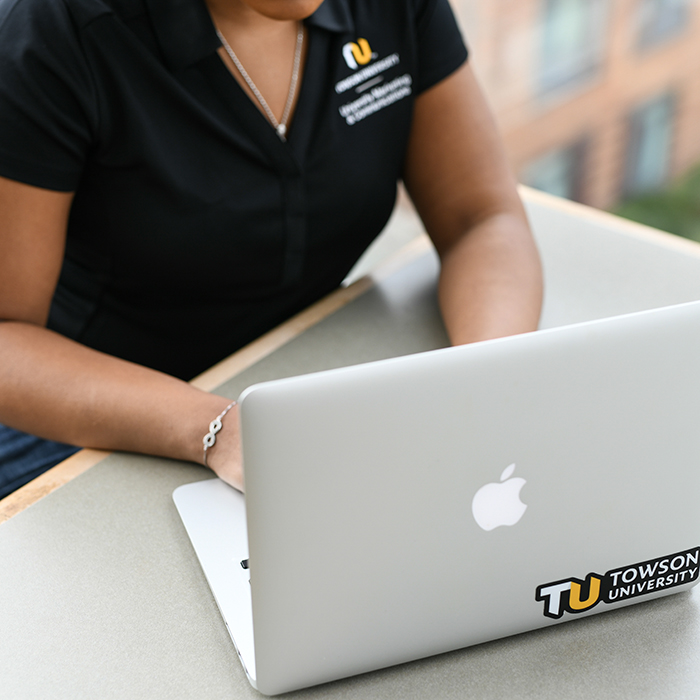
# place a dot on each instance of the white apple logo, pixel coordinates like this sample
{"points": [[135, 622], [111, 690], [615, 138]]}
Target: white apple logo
{"points": [[499, 504]]}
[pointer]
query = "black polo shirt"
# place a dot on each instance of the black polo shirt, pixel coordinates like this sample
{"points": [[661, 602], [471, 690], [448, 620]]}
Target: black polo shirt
{"points": [[194, 228]]}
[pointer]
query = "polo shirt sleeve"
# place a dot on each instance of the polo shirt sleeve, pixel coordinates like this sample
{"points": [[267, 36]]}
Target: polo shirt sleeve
{"points": [[441, 49], [46, 95]]}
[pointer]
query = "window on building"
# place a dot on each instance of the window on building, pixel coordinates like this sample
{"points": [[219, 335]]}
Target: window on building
{"points": [[573, 36], [659, 20], [560, 171], [649, 144]]}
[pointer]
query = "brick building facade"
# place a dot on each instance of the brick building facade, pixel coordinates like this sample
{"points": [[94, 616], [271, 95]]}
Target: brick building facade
{"points": [[596, 99]]}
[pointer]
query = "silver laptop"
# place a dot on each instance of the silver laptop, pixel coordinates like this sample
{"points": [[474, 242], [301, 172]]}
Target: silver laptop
{"points": [[408, 507]]}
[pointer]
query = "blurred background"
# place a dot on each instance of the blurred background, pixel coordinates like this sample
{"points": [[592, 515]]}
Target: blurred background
{"points": [[597, 101]]}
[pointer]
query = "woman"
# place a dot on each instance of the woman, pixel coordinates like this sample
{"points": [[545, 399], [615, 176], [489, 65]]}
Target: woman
{"points": [[179, 176]]}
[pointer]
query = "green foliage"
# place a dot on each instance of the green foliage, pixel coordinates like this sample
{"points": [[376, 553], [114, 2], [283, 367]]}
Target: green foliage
{"points": [[675, 209]]}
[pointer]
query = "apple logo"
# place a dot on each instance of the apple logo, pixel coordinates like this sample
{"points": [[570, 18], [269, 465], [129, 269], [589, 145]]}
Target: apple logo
{"points": [[499, 504]]}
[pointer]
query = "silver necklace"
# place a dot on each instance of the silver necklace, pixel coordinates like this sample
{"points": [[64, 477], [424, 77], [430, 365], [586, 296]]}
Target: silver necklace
{"points": [[280, 126]]}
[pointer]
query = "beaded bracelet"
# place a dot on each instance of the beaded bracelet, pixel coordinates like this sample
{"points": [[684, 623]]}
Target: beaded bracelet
{"points": [[214, 427]]}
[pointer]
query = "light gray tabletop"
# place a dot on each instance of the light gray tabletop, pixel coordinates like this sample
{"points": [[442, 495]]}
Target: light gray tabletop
{"points": [[102, 597]]}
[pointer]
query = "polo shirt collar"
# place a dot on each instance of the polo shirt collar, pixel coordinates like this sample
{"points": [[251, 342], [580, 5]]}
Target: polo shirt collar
{"points": [[186, 33], [333, 15], [184, 30]]}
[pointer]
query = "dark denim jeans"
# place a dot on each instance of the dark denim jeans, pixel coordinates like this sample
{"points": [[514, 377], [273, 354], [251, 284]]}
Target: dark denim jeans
{"points": [[23, 457]]}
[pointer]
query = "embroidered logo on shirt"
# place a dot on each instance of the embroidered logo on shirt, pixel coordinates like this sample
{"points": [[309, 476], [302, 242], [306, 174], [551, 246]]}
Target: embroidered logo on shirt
{"points": [[369, 83], [357, 54]]}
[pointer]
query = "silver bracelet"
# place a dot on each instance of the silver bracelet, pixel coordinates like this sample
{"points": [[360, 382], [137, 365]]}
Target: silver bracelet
{"points": [[214, 427]]}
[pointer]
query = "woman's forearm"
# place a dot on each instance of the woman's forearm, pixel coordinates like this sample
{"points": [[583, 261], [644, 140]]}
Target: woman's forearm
{"points": [[55, 388], [491, 281], [458, 176]]}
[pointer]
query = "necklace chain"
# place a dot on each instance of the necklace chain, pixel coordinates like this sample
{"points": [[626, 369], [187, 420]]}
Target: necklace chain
{"points": [[280, 126]]}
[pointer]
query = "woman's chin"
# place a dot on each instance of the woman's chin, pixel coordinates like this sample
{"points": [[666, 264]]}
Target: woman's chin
{"points": [[285, 9]]}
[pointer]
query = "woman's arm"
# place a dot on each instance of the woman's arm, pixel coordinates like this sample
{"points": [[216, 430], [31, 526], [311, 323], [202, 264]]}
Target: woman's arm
{"points": [[458, 177], [55, 388]]}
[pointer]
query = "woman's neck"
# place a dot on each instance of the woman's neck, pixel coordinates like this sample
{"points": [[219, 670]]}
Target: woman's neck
{"points": [[265, 47]]}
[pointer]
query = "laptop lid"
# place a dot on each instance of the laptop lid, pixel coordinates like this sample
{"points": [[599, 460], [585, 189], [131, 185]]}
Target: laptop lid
{"points": [[368, 543]]}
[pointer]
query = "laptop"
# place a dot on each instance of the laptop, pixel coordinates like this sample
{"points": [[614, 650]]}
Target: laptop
{"points": [[408, 507]]}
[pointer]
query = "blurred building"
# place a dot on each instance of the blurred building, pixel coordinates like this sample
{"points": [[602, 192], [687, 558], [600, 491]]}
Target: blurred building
{"points": [[597, 100]]}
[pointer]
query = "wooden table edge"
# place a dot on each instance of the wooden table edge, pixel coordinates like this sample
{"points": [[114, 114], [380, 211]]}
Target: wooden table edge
{"points": [[214, 377]]}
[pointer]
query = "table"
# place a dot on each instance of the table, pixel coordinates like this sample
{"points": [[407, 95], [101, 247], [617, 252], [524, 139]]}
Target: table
{"points": [[102, 596]]}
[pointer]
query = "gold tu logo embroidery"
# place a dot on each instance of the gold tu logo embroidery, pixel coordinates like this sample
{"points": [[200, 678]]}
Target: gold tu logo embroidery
{"points": [[357, 54]]}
